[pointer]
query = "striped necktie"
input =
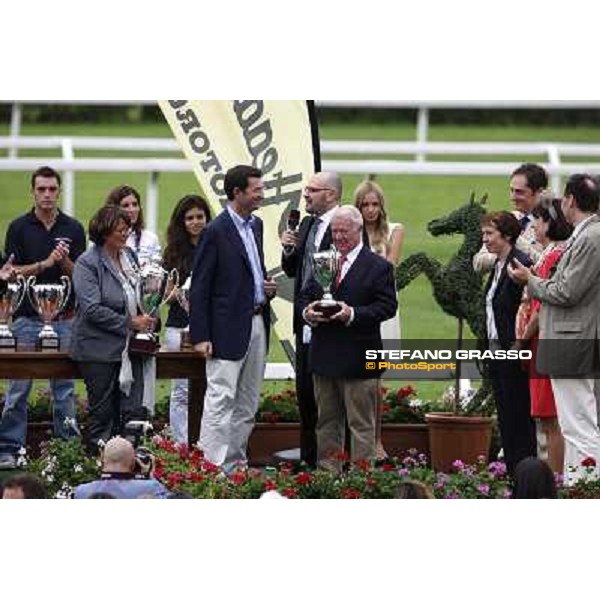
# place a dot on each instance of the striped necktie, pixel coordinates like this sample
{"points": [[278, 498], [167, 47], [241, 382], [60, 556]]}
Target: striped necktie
{"points": [[309, 249]]}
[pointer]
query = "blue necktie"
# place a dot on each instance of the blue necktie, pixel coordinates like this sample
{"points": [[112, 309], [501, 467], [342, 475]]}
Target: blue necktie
{"points": [[524, 221]]}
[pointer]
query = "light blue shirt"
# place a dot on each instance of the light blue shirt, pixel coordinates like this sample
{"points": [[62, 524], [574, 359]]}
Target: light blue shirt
{"points": [[244, 227]]}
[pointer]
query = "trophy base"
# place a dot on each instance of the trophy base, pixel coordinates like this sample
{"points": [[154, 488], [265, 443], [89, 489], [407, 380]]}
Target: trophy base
{"points": [[48, 343], [144, 345], [328, 309], [186, 341]]}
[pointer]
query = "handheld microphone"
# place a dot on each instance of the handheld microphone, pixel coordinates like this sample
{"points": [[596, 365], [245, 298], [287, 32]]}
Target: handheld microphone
{"points": [[292, 224], [293, 219]]}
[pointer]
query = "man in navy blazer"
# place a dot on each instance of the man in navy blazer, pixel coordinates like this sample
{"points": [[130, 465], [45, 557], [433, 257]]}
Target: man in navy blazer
{"points": [[344, 388], [229, 319]]}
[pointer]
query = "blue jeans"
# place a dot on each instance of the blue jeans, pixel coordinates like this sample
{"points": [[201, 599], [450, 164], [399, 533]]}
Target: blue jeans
{"points": [[13, 426]]}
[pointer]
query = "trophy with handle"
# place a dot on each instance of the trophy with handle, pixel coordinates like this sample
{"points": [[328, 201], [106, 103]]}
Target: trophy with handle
{"points": [[48, 299], [10, 300], [325, 266], [155, 286]]}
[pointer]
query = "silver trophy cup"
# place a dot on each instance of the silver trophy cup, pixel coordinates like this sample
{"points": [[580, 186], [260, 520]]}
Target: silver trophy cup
{"points": [[10, 300], [155, 286], [48, 299], [325, 266]]}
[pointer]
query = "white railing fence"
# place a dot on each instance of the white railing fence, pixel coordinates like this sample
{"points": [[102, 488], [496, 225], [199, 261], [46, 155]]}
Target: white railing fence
{"points": [[69, 163]]}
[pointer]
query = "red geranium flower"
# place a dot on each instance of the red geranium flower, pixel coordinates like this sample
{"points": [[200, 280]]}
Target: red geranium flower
{"points": [[270, 485], [238, 478], [303, 478], [289, 492], [350, 494], [589, 461]]}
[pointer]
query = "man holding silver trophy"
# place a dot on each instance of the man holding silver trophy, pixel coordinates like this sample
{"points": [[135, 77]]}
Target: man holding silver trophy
{"points": [[351, 293], [44, 244]]}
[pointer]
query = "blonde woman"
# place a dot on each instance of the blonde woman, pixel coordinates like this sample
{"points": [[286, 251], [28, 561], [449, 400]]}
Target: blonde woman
{"points": [[385, 239]]}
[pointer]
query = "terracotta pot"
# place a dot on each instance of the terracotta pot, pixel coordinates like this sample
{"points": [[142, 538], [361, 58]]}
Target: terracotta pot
{"points": [[268, 438], [453, 437], [398, 438]]}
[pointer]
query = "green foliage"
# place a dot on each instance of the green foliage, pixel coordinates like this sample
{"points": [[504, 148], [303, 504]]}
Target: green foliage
{"points": [[403, 406], [278, 407], [63, 465]]}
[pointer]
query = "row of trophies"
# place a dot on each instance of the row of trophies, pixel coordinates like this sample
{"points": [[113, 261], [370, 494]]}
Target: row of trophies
{"points": [[154, 287]]}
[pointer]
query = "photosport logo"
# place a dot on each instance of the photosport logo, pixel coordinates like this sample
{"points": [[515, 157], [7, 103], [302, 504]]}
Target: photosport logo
{"points": [[420, 359]]}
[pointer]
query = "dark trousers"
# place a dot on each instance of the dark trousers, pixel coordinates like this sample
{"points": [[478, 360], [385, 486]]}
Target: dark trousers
{"points": [[306, 405], [109, 408], [517, 428]]}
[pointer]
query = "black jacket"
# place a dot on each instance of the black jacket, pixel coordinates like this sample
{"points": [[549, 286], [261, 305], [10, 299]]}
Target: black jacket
{"points": [[506, 300], [337, 350]]}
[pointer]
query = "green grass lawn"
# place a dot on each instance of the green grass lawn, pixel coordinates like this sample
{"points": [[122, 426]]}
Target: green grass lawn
{"points": [[413, 200]]}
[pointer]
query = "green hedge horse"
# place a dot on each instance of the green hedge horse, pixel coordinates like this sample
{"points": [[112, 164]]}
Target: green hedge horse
{"points": [[457, 288]]}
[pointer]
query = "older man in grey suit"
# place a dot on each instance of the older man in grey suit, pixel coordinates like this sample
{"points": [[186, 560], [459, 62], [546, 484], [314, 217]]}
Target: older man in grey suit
{"points": [[570, 325]]}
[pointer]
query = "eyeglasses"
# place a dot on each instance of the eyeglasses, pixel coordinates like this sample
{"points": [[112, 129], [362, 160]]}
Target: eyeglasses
{"points": [[312, 190]]}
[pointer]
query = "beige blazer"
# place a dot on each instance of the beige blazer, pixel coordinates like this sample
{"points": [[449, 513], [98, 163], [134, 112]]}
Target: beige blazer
{"points": [[570, 309]]}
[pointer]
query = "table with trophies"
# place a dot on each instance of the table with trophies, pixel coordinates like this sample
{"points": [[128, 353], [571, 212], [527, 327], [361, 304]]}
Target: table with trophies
{"points": [[47, 360]]}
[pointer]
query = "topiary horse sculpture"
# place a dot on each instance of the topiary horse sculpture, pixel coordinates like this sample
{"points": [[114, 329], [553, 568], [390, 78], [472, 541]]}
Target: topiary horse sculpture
{"points": [[457, 288]]}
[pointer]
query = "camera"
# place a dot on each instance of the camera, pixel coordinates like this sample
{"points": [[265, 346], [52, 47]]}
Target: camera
{"points": [[135, 432]]}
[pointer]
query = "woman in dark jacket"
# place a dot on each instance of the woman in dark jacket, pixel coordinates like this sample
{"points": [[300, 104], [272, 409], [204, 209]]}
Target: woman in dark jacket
{"points": [[104, 280], [500, 231]]}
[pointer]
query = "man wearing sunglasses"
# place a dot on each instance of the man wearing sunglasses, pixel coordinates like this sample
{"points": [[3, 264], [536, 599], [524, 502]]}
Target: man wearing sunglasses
{"points": [[322, 196], [44, 243]]}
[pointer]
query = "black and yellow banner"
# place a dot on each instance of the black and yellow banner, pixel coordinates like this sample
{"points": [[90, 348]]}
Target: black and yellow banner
{"points": [[279, 137]]}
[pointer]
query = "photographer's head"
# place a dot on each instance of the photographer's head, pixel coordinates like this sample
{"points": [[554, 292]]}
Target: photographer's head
{"points": [[118, 456]]}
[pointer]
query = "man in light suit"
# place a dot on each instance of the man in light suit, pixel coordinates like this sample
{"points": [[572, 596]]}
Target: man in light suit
{"points": [[322, 196], [570, 325], [230, 320], [344, 388], [527, 183]]}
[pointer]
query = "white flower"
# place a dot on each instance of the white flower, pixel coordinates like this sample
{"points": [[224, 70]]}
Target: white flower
{"points": [[50, 478], [22, 451], [77, 468], [21, 461]]}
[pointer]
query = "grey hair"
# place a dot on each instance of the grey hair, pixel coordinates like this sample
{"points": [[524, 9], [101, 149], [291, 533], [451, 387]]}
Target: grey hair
{"points": [[347, 211]]}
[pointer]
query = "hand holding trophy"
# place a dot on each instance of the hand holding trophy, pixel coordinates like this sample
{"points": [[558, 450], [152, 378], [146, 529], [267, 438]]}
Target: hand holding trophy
{"points": [[325, 266], [155, 286], [48, 299]]}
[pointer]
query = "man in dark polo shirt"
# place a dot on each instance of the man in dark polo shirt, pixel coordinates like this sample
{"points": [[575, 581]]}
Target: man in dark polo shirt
{"points": [[44, 242]]}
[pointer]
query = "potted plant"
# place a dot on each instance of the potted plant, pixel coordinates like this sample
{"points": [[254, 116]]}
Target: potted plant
{"points": [[403, 421]]}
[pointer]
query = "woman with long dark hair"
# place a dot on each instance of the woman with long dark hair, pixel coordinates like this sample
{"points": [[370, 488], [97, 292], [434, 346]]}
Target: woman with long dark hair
{"points": [[189, 218]]}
